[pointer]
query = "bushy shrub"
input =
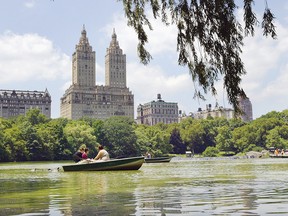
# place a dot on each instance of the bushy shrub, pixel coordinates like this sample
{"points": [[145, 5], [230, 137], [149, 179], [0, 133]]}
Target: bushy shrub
{"points": [[253, 147], [210, 152]]}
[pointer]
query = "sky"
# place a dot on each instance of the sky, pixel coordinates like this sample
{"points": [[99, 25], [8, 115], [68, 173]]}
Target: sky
{"points": [[38, 38]]}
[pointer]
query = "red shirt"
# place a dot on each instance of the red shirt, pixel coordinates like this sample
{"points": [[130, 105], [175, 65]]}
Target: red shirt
{"points": [[84, 156]]}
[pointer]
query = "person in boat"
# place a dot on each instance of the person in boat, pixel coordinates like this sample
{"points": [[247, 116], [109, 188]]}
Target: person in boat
{"points": [[282, 152], [85, 158], [78, 155], [85, 154], [276, 152], [148, 155], [102, 154]]}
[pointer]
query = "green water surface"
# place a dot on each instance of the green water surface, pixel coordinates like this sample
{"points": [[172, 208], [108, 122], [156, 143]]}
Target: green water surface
{"points": [[185, 186]]}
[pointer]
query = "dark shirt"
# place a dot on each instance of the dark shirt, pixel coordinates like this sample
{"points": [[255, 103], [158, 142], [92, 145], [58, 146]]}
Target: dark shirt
{"points": [[77, 156]]}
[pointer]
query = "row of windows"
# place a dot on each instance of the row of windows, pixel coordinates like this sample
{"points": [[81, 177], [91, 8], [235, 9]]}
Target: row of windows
{"points": [[164, 105], [6, 112], [27, 107], [15, 103], [105, 107], [166, 121], [22, 96], [160, 111]]}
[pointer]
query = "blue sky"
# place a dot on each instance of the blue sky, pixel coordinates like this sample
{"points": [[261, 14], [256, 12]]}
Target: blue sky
{"points": [[38, 37]]}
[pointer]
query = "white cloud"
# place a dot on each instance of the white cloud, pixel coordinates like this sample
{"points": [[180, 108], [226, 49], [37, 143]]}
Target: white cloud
{"points": [[31, 57], [29, 4], [266, 65], [148, 81], [264, 62], [162, 39]]}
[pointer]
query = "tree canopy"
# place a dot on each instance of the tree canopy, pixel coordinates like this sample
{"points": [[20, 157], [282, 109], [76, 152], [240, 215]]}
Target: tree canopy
{"points": [[57, 139], [209, 38]]}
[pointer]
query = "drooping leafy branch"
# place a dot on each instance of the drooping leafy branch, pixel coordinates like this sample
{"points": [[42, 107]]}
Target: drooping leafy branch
{"points": [[209, 38]]}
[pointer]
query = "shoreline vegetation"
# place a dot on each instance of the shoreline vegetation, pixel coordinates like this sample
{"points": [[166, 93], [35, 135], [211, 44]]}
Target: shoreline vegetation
{"points": [[36, 138]]}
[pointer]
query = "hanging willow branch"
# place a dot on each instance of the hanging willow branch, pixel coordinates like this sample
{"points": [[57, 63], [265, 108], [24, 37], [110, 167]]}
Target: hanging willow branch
{"points": [[210, 24]]}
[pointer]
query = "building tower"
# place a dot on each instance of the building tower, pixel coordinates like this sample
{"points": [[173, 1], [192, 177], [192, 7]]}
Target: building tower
{"points": [[246, 107], [115, 64], [84, 97], [83, 63]]}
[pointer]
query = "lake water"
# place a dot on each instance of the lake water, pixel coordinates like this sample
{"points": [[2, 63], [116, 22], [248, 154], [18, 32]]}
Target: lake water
{"points": [[185, 186]]}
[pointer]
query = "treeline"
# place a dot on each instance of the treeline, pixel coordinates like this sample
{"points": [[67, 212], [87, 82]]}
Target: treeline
{"points": [[36, 138]]}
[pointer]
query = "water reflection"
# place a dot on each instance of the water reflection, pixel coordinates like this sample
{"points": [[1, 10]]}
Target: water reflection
{"points": [[181, 187]]}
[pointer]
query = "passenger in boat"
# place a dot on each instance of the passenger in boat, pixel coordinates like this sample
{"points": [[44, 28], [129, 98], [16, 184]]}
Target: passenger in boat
{"points": [[282, 152], [85, 158], [276, 152], [78, 155], [85, 153], [102, 154], [148, 155]]}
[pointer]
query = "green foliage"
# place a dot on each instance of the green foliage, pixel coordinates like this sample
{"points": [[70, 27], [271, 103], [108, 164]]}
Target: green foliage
{"points": [[57, 139], [78, 133], [226, 153], [153, 139], [120, 137], [223, 139], [35, 117], [4, 149], [175, 139], [210, 152], [253, 147], [199, 134], [277, 137]]}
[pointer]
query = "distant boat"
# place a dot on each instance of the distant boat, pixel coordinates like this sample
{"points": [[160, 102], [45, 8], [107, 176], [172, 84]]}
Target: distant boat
{"points": [[278, 156], [158, 160], [132, 163]]}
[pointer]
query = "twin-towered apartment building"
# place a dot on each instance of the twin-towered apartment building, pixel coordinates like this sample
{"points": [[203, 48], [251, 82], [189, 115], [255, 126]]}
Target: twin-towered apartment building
{"points": [[86, 99]]}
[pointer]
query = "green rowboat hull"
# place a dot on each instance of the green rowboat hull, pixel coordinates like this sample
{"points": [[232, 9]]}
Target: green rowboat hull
{"points": [[158, 160], [132, 163]]}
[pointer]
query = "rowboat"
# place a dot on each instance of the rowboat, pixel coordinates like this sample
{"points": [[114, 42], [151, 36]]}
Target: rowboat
{"points": [[131, 163], [158, 160], [278, 156]]}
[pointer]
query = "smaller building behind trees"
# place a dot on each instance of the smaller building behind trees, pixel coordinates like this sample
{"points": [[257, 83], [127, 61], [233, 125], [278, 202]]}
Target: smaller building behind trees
{"points": [[157, 112]]}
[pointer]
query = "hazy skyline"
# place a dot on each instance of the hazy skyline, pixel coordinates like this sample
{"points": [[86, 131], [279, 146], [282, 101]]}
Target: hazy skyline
{"points": [[38, 38]]}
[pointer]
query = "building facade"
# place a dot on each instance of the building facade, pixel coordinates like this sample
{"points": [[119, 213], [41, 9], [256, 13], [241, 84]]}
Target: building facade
{"points": [[246, 107], [217, 112], [17, 102], [157, 111], [84, 97]]}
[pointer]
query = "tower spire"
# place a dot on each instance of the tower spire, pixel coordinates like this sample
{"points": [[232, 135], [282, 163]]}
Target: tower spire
{"points": [[83, 33], [114, 43]]}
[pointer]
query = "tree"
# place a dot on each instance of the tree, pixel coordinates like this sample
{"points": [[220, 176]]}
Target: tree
{"points": [[35, 117], [59, 145], [5, 150], [120, 138], [175, 139], [193, 135], [223, 139], [277, 137], [79, 132], [16, 144], [210, 152], [209, 38], [153, 139]]}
